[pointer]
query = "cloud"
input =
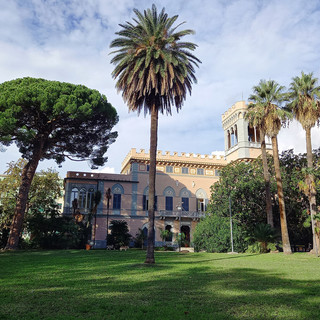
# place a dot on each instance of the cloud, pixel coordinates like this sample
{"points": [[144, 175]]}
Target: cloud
{"points": [[104, 170], [239, 43]]}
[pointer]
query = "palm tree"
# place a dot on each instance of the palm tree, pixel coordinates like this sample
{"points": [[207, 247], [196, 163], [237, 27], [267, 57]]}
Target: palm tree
{"points": [[254, 116], [154, 71], [265, 234], [267, 95], [304, 103]]}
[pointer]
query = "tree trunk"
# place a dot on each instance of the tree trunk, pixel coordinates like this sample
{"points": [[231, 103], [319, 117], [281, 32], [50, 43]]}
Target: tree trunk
{"points": [[152, 183], [266, 176], [312, 193], [18, 218], [283, 219]]}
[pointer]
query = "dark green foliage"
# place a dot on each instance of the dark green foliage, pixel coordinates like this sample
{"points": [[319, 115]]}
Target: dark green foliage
{"points": [[213, 235], [119, 235], [63, 119], [52, 120], [244, 183], [4, 232], [45, 189], [297, 204], [165, 235], [139, 238], [49, 230], [265, 234]]}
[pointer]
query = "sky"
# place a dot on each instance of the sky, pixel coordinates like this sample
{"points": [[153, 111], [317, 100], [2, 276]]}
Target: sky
{"points": [[239, 43]]}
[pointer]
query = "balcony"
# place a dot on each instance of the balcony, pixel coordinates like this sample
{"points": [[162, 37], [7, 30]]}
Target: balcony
{"points": [[194, 215]]}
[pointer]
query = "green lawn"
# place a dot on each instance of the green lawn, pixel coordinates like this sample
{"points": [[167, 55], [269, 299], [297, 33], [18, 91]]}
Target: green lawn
{"points": [[117, 285]]}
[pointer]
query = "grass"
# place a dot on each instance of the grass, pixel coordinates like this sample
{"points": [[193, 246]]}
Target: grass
{"points": [[79, 284]]}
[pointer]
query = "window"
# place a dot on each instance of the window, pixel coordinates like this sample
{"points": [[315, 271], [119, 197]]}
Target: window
{"points": [[201, 206], [217, 173], [144, 203], [82, 198], [148, 167], [184, 170], [90, 198], [74, 194], [169, 203], [168, 228], [117, 201], [185, 204], [200, 172], [169, 169]]}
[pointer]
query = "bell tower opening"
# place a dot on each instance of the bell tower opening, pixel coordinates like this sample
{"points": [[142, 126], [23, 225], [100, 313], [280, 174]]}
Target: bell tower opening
{"points": [[241, 140]]}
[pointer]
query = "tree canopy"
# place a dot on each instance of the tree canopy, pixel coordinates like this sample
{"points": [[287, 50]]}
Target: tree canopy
{"points": [[45, 190], [65, 120], [243, 183], [52, 120], [154, 68]]}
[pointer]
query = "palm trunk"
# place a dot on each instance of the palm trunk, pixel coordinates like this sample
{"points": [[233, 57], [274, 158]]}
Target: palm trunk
{"points": [[312, 193], [283, 219], [266, 176], [18, 218], [152, 183]]}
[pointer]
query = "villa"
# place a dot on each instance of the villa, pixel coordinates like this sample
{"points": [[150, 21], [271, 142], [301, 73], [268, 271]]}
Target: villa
{"points": [[183, 182]]}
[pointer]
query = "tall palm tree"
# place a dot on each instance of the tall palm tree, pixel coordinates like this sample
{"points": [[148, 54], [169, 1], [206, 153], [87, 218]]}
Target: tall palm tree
{"points": [[266, 97], [304, 94], [154, 71], [254, 116]]}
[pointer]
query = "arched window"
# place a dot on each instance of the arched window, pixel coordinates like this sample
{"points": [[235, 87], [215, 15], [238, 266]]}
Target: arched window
{"points": [[117, 190], [145, 228], [185, 195], [169, 194], [232, 137], [90, 198], [202, 200], [229, 140], [74, 194], [169, 228], [82, 198]]}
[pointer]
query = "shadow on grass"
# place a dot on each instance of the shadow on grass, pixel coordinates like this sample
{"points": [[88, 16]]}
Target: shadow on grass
{"points": [[115, 285]]}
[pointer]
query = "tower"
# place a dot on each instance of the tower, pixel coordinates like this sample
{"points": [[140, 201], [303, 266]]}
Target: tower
{"points": [[241, 140]]}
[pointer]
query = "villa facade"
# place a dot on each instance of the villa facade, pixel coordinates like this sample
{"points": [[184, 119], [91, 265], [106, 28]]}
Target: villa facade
{"points": [[183, 182]]}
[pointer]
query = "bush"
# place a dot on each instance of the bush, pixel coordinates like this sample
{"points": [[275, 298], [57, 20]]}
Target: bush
{"points": [[120, 235], [213, 235], [254, 248], [50, 231], [266, 236], [139, 239], [257, 247]]}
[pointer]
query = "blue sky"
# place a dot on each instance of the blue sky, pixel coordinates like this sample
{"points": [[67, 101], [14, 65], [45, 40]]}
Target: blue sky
{"points": [[240, 42]]}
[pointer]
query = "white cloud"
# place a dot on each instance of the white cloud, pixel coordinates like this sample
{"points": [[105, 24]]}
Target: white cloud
{"points": [[240, 42], [104, 170]]}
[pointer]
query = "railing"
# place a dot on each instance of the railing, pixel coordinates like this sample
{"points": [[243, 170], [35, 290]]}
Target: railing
{"points": [[161, 213], [182, 214]]}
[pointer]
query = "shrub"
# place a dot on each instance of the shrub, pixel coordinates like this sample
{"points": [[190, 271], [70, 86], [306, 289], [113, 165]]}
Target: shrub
{"points": [[119, 235], [265, 235], [48, 230], [213, 235]]}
